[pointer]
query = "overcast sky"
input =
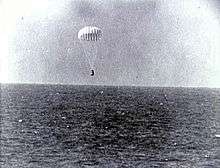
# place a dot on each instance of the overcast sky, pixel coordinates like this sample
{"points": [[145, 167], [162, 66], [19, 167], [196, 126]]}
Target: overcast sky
{"points": [[147, 43]]}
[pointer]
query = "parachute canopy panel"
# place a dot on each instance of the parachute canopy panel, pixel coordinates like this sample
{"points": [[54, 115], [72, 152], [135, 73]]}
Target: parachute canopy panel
{"points": [[90, 33]]}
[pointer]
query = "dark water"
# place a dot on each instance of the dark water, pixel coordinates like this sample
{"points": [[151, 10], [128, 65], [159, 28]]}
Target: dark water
{"points": [[90, 126]]}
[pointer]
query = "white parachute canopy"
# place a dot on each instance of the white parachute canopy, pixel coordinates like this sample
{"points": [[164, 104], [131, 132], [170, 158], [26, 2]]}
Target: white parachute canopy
{"points": [[90, 37], [90, 33]]}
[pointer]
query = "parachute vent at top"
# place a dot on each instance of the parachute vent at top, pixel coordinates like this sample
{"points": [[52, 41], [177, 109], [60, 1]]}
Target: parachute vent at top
{"points": [[90, 33]]}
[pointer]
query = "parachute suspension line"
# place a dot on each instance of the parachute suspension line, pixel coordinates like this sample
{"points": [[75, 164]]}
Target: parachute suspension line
{"points": [[89, 54], [86, 55], [135, 58], [96, 52]]}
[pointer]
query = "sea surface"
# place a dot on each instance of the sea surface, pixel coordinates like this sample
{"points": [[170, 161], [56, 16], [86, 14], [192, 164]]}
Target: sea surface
{"points": [[64, 126]]}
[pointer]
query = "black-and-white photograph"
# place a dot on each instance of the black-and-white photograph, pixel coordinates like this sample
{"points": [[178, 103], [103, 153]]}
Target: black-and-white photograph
{"points": [[110, 83]]}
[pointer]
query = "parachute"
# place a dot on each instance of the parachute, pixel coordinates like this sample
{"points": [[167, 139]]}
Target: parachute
{"points": [[90, 37]]}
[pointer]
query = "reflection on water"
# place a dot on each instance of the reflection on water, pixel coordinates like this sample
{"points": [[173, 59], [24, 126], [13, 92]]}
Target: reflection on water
{"points": [[85, 126]]}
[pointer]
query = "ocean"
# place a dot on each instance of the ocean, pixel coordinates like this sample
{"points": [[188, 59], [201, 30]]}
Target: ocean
{"points": [[54, 126]]}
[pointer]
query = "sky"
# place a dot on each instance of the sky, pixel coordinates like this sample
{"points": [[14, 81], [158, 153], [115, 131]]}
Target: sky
{"points": [[144, 43]]}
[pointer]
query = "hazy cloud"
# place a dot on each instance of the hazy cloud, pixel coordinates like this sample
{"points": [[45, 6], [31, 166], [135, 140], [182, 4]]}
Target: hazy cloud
{"points": [[144, 43]]}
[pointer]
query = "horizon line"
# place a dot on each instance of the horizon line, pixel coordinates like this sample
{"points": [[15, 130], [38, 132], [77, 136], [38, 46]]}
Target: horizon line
{"points": [[103, 85]]}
